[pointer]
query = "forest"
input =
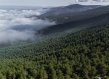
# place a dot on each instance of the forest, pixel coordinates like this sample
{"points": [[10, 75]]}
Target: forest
{"points": [[62, 16], [80, 55]]}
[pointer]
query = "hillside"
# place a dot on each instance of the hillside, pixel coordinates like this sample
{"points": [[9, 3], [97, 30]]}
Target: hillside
{"points": [[80, 55], [68, 16], [77, 25], [70, 8]]}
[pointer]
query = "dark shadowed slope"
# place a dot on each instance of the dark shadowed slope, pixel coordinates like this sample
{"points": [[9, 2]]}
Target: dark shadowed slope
{"points": [[85, 23]]}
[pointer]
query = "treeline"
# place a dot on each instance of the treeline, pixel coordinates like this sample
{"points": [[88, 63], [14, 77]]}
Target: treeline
{"points": [[80, 55]]}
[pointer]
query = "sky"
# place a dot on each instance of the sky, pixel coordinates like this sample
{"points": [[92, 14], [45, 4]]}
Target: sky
{"points": [[36, 2], [40, 2]]}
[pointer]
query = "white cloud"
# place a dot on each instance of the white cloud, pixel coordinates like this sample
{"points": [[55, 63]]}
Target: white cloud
{"points": [[14, 36], [18, 25]]}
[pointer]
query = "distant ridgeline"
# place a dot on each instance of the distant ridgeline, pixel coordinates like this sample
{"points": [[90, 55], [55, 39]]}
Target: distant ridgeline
{"points": [[80, 55], [92, 0]]}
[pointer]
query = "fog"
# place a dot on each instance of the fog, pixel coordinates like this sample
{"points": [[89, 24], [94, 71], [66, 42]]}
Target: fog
{"points": [[16, 25]]}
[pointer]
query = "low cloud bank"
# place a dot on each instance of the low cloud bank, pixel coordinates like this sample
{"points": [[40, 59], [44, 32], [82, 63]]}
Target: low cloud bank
{"points": [[16, 25]]}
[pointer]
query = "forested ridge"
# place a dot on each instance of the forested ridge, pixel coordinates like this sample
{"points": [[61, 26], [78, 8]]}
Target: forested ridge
{"points": [[80, 55], [64, 15]]}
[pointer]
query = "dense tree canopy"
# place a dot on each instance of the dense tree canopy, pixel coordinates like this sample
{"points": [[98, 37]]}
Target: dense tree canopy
{"points": [[80, 55]]}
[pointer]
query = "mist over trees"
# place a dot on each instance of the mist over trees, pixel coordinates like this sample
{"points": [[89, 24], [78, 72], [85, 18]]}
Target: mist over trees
{"points": [[80, 55], [21, 25], [66, 51]]}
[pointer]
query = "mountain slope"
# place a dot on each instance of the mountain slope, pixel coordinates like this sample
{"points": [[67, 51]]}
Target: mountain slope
{"points": [[80, 55], [80, 24], [70, 9], [70, 16]]}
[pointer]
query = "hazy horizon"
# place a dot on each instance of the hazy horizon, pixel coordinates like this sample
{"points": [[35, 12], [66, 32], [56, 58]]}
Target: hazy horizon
{"points": [[50, 2]]}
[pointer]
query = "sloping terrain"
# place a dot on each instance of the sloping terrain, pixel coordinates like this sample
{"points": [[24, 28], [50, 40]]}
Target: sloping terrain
{"points": [[80, 55], [68, 16], [83, 54], [70, 9], [79, 24]]}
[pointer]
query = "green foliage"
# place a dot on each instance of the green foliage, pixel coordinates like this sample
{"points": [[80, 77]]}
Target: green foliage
{"points": [[80, 55]]}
